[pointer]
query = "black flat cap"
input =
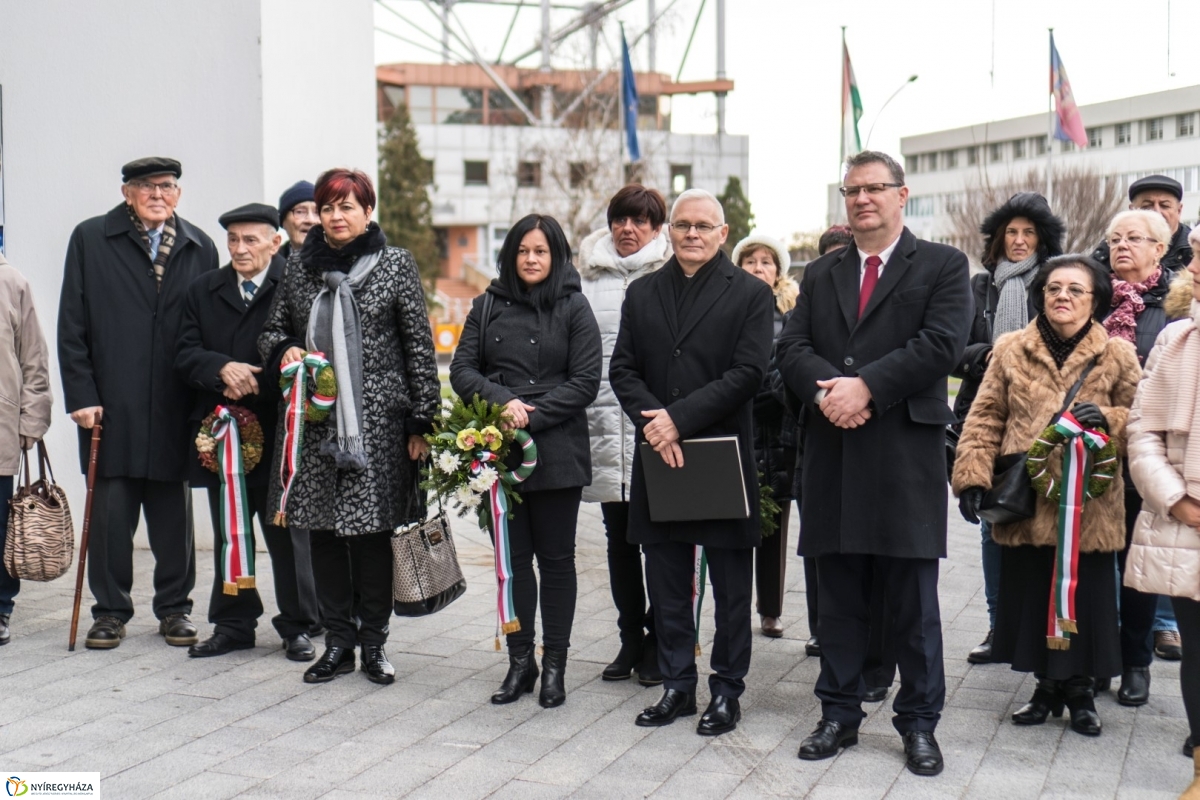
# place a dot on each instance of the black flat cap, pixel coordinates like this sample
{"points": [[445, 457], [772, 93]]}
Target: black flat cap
{"points": [[154, 165], [251, 212], [1156, 182]]}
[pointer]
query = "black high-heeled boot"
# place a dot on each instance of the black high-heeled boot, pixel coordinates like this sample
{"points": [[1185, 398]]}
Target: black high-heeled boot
{"points": [[623, 665], [522, 674], [554, 669], [1079, 697], [1047, 699]]}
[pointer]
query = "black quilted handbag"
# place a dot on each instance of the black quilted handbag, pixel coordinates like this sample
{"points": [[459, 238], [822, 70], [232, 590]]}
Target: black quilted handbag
{"points": [[426, 576]]}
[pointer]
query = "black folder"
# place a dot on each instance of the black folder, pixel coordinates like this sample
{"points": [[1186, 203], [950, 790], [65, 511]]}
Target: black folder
{"points": [[709, 485]]}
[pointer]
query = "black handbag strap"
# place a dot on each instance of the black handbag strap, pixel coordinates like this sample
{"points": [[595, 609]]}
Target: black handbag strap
{"points": [[1075, 389], [484, 318]]}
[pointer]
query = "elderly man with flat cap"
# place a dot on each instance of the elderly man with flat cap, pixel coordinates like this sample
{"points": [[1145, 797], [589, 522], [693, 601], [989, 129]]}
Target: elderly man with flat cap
{"points": [[124, 284], [218, 357], [298, 214], [1164, 196]]}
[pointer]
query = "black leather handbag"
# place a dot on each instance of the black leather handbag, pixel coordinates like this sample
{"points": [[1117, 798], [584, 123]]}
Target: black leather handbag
{"points": [[1011, 498]]}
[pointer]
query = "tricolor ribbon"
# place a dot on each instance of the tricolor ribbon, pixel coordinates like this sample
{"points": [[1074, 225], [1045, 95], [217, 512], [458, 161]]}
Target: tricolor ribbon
{"points": [[699, 577], [237, 526], [1078, 448], [294, 376]]}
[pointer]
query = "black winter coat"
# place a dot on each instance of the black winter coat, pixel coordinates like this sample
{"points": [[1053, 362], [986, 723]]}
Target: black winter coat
{"points": [[879, 489], [775, 430], [1178, 255], [705, 370], [551, 360], [218, 327], [118, 335]]}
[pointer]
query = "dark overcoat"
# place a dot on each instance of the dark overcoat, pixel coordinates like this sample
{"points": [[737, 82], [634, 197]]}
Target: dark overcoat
{"points": [[400, 396], [879, 489], [551, 360], [219, 327], [118, 335], [705, 370]]}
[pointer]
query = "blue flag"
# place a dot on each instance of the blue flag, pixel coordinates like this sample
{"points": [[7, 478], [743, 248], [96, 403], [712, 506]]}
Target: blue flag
{"points": [[629, 101]]}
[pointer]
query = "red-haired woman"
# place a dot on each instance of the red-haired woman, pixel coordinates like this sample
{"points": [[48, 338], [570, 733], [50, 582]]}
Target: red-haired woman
{"points": [[358, 301]]}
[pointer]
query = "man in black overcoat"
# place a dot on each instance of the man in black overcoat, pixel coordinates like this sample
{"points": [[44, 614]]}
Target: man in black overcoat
{"points": [[879, 326], [126, 276], [693, 347], [218, 357]]}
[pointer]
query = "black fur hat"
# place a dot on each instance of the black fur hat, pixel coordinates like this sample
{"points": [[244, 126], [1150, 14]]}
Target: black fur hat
{"points": [[1032, 206]]}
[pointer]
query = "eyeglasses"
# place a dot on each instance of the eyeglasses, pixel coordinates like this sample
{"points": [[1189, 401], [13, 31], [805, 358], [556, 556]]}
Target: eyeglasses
{"points": [[302, 212], [869, 188], [146, 187], [638, 222], [702, 228], [1133, 240], [1074, 290]]}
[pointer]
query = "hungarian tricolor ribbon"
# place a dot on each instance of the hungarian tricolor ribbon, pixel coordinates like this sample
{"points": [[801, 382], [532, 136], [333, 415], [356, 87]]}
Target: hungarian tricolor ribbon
{"points": [[1078, 449], [294, 376], [237, 526], [699, 577]]}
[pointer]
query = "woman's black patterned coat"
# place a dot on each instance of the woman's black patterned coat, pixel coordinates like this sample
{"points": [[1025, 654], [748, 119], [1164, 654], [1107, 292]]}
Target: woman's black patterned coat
{"points": [[400, 396]]}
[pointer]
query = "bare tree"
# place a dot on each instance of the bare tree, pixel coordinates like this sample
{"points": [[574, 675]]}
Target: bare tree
{"points": [[1084, 198]]}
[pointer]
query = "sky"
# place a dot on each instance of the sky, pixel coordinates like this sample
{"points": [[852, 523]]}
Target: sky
{"points": [[976, 61]]}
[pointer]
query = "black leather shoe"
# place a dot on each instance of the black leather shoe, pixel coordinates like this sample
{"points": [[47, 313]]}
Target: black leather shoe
{"points": [[671, 705], [812, 647], [333, 662], [554, 669], [1047, 699], [648, 671], [1135, 686], [375, 663], [1189, 749], [178, 630], [876, 694], [827, 739], [922, 754], [5, 634], [105, 634], [522, 675], [1102, 684], [982, 654], [218, 645], [721, 716], [299, 647], [623, 665], [1079, 699]]}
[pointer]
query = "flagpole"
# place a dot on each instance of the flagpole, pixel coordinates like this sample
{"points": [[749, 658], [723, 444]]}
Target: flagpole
{"points": [[1050, 132], [842, 143]]}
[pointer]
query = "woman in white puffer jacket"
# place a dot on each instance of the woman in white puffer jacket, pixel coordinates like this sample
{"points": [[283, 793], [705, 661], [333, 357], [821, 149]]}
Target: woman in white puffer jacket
{"points": [[1164, 462], [633, 245]]}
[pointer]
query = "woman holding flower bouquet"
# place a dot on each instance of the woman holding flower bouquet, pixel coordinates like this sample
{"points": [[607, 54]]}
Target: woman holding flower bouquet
{"points": [[348, 472], [538, 354]]}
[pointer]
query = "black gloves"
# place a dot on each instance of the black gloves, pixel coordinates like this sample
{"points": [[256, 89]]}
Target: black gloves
{"points": [[1089, 415], [969, 502]]}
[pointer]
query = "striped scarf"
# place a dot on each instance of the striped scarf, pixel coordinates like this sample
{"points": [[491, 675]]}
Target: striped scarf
{"points": [[165, 243]]}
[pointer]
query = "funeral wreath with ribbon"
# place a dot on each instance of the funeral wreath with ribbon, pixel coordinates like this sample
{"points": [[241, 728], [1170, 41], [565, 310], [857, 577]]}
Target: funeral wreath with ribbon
{"points": [[231, 444], [309, 392]]}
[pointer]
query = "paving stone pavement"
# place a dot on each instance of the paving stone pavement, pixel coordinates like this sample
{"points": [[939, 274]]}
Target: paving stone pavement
{"points": [[155, 723]]}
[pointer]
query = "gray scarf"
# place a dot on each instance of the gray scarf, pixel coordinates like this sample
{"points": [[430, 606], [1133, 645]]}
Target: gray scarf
{"points": [[335, 329], [1012, 312]]}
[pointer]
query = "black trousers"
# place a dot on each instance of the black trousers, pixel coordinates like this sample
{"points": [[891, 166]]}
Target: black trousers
{"points": [[543, 525], [1187, 614], [354, 578], [634, 620], [236, 615], [116, 505], [669, 569], [847, 585], [770, 566], [1137, 609]]}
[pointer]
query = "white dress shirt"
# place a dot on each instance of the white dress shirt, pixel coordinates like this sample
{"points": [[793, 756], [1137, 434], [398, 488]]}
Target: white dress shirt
{"points": [[884, 256]]}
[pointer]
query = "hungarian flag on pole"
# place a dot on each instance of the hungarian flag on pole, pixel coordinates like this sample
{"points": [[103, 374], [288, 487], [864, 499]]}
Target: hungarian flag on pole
{"points": [[1068, 125], [851, 106]]}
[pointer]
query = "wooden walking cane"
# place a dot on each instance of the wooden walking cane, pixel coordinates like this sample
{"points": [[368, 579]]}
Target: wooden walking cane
{"points": [[83, 538]]}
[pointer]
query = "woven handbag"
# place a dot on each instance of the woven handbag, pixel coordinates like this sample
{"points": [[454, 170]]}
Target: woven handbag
{"points": [[41, 535], [426, 576]]}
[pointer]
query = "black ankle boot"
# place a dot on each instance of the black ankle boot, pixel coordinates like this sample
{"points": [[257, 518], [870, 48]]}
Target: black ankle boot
{"points": [[522, 674], [1080, 700], [554, 673], [623, 665], [1047, 699], [375, 663]]}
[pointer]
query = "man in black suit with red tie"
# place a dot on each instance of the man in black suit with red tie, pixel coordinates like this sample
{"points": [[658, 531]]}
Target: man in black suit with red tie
{"points": [[878, 328]]}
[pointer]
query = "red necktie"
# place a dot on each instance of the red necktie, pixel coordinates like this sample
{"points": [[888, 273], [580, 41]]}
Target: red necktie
{"points": [[870, 278]]}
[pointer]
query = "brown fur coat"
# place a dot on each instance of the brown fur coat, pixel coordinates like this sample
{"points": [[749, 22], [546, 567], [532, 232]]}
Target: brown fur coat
{"points": [[1021, 391]]}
